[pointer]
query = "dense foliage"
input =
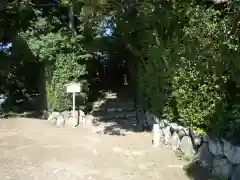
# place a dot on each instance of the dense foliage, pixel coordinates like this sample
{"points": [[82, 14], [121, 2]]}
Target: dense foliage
{"points": [[59, 57], [183, 55], [190, 64]]}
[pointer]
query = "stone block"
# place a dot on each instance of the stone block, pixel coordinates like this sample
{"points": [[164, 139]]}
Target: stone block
{"points": [[221, 167], [187, 147]]}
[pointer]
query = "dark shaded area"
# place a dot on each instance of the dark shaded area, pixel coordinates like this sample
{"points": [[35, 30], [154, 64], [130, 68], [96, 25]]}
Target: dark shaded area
{"points": [[118, 113], [111, 85], [196, 172], [200, 167], [23, 81]]}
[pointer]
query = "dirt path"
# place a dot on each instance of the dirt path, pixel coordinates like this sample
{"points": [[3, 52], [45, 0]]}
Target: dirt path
{"points": [[35, 150]]}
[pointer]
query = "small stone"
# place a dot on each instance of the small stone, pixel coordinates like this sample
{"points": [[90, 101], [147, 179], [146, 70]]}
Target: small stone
{"points": [[118, 133], [174, 126], [221, 167], [71, 122], [74, 113], [50, 117], [166, 122], [175, 141], [167, 134], [186, 146], [156, 135], [66, 115], [204, 155], [236, 156], [82, 119], [196, 137], [216, 147], [161, 124], [54, 121], [55, 114], [228, 149], [181, 133], [161, 136], [206, 138], [231, 152], [45, 114], [236, 173], [115, 131], [89, 120], [60, 121], [179, 128], [81, 113], [197, 141]]}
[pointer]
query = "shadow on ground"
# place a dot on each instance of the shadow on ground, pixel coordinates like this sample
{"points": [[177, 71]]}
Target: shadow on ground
{"points": [[116, 112], [195, 171]]}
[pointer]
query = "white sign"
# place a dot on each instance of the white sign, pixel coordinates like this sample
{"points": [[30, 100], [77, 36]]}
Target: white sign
{"points": [[73, 87]]}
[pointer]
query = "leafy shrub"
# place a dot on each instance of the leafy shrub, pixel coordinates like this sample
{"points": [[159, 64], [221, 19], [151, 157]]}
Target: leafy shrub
{"points": [[186, 79], [64, 61], [197, 96]]}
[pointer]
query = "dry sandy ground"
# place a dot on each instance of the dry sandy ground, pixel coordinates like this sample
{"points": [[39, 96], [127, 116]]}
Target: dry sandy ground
{"points": [[33, 149]]}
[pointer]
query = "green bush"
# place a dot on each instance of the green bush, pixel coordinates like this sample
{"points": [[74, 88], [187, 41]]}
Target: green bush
{"points": [[64, 62], [186, 79], [197, 95]]}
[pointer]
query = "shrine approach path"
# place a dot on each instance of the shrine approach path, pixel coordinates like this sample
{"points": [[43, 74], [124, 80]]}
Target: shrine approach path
{"points": [[32, 149]]}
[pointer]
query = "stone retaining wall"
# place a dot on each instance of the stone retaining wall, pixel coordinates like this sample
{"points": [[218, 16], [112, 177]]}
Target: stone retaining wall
{"points": [[217, 154], [65, 118]]}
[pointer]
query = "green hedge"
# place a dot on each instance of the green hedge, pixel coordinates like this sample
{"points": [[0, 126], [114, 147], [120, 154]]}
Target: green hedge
{"points": [[186, 77], [64, 61]]}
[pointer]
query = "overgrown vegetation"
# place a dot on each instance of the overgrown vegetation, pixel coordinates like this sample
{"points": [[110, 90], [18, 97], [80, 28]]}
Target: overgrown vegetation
{"points": [[64, 61], [187, 62], [183, 55]]}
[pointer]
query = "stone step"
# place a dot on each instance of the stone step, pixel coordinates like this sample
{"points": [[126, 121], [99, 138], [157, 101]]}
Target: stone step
{"points": [[114, 104], [120, 109], [110, 115], [113, 109], [115, 119]]}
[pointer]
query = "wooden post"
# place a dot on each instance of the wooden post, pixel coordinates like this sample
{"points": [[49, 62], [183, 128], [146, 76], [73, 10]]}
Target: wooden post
{"points": [[156, 135], [74, 88], [74, 115], [73, 104]]}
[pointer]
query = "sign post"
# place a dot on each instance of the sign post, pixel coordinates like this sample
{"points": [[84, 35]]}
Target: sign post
{"points": [[74, 112], [74, 88]]}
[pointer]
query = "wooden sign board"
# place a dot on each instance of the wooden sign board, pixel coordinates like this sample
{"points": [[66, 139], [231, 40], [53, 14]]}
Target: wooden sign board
{"points": [[73, 87]]}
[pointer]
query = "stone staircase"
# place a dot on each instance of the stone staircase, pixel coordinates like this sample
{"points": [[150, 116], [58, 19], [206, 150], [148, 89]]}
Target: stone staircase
{"points": [[115, 114]]}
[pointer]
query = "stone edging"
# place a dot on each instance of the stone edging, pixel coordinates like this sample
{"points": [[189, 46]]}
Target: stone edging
{"points": [[66, 118], [217, 154]]}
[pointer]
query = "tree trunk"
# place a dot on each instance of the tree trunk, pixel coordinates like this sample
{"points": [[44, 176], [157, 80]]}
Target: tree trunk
{"points": [[71, 22]]}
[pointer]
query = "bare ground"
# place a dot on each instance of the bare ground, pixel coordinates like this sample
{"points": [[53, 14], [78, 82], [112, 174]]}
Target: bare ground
{"points": [[33, 149]]}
